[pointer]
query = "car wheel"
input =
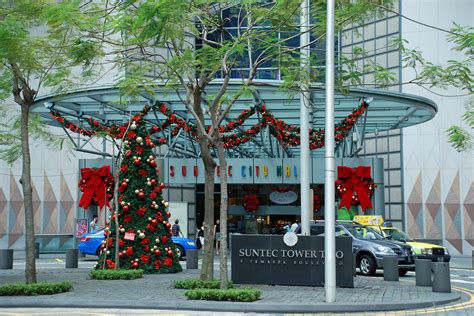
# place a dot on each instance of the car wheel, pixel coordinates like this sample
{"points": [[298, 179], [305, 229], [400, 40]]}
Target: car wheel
{"points": [[402, 272], [367, 265], [179, 251]]}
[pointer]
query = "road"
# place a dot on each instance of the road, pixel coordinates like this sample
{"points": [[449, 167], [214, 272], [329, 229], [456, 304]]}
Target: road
{"points": [[461, 280]]}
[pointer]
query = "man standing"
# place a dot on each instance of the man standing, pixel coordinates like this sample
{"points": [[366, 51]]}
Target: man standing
{"points": [[176, 230]]}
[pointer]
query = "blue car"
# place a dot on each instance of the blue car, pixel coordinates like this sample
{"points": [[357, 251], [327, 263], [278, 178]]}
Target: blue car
{"points": [[90, 244]]}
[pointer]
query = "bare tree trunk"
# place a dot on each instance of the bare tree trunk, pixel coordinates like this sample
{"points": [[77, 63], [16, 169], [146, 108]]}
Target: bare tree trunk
{"points": [[223, 269], [30, 268], [207, 268]]}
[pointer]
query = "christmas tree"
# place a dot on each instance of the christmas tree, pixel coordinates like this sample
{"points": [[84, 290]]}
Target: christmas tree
{"points": [[144, 230]]}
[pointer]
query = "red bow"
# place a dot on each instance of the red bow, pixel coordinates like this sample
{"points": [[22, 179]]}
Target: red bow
{"points": [[354, 181], [251, 203], [94, 184]]}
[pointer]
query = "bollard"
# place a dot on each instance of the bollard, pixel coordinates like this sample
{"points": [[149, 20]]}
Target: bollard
{"points": [[37, 250], [192, 259], [71, 258], [441, 277], [423, 272], [390, 268], [6, 258]]}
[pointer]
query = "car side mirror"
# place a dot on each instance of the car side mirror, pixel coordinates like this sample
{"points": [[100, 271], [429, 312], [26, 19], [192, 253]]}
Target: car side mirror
{"points": [[388, 237]]}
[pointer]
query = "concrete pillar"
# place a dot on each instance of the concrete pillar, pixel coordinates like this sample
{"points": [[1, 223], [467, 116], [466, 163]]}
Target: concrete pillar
{"points": [[192, 259], [6, 258], [72, 258], [390, 268], [423, 272], [441, 277]]}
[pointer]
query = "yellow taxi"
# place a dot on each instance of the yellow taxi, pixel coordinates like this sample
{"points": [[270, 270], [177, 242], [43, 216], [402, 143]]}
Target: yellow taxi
{"points": [[422, 250]]}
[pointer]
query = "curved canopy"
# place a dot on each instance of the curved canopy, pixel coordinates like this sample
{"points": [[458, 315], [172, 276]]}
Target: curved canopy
{"points": [[387, 110]]}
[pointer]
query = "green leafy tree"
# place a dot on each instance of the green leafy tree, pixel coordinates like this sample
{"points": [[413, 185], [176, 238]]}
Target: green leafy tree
{"points": [[36, 52]]}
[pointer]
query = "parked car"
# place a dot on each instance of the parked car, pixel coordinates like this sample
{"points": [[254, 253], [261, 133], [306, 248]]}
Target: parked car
{"points": [[422, 250], [369, 247], [90, 244]]}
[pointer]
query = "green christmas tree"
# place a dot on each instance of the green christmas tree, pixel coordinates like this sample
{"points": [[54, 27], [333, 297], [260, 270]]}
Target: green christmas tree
{"points": [[144, 230]]}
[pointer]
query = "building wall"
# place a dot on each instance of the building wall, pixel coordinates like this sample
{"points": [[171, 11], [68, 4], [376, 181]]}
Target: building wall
{"points": [[438, 181]]}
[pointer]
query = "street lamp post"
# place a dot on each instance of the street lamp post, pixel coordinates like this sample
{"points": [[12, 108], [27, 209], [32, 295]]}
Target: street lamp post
{"points": [[304, 118], [329, 190]]}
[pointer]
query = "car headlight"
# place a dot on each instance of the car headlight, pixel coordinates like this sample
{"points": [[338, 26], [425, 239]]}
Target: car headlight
{"points": [[446, 252], [426, 251], [383, 249], [191, 243]]}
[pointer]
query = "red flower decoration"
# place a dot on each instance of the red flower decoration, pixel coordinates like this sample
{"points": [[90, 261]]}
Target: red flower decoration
{"points": [[150, 228], [129, 251], [168, 262], [127, 219], [146, 248], [121, 243], [153, 195], [124, 168], [157, 264], [132, 134], [110, 263], [141, 211], [139, 150], [142, 172], [144, 258], [164, 239], [145, 241]]}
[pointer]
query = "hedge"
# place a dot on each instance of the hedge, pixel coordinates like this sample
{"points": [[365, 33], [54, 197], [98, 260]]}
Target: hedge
{"points": [[111, 274], [190, 284], [235, 295], [41, 288]]}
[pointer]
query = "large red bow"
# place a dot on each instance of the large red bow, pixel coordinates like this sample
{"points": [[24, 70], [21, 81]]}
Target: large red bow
{"points": [[355, 181], [94, 183], [251, 203]]}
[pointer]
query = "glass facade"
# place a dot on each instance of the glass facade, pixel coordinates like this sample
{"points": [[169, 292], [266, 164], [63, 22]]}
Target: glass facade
{"points": [[373, 43]]}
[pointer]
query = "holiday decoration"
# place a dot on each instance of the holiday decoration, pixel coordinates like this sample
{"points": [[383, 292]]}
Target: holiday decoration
{"points": [[355, 186], [96, 185], [143, 227], [317, 203], [251, 203], [288, 135]]}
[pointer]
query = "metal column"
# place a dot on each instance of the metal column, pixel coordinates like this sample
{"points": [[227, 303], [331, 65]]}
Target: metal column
{"points": [[329, 190], [304, 118]]}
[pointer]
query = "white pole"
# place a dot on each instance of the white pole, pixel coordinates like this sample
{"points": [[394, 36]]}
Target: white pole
{"points": [[304, 117], [329, 190]]}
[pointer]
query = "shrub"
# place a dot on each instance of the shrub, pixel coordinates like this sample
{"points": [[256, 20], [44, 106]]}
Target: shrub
{"points": [[190, 284], [41, 288], [235, 295], [116, 274]]}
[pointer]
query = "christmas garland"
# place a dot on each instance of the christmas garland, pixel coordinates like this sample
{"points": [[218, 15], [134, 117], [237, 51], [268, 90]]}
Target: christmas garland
{"points": [[286, 133]]}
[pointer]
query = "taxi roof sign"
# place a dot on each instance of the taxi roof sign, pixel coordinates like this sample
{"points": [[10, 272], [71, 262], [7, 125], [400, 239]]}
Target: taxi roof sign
{"points": [[375, 220]]}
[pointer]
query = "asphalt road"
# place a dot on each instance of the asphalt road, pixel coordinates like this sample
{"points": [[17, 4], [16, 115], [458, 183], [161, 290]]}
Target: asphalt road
{"points": [[461, 280]]}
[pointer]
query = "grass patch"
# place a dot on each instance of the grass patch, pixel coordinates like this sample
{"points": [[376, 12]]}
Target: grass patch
{"points": [[41, 288], [190, 284], [234, 295], [116, 274]]}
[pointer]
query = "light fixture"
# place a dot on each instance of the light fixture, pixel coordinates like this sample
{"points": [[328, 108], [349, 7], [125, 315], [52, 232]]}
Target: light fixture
{"points": [[368, 100]]}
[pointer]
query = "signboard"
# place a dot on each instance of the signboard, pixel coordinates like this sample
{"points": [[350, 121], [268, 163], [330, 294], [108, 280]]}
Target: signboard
{"points": [[82, 227], [129, 236], [375, 220], [283, 197], [268, 259]]}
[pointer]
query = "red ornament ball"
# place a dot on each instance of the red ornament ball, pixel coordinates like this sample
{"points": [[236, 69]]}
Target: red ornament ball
{"points": [[170, 253], [154, 222], [126, 208], [135, 265], [157, 252], [136, 162], [141, 194]]}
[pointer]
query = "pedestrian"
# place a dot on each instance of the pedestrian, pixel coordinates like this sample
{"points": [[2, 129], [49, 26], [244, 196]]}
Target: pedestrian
{"points": [[176, 230], [200, 237], [217, 235], [94, 225]]}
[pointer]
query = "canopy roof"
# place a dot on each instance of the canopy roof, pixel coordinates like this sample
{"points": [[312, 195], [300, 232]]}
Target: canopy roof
{"points": [[387, 110]]}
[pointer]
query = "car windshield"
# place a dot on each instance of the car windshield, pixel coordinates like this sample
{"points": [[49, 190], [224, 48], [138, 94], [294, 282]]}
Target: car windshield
{"points": [[396, 234], [363, 232]]}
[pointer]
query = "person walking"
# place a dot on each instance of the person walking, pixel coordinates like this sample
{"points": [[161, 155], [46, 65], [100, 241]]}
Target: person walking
{"points": [[176, 230], [217, 235]]}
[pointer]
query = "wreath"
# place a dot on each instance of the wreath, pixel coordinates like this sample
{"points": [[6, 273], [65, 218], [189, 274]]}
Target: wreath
{"points": [[251, 203]]}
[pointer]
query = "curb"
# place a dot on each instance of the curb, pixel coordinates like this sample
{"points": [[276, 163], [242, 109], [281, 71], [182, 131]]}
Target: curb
{"points": [[444, 298]]}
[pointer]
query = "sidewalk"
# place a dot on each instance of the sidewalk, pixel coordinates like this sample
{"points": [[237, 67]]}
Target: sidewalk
{"points": [[156, 292]]}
